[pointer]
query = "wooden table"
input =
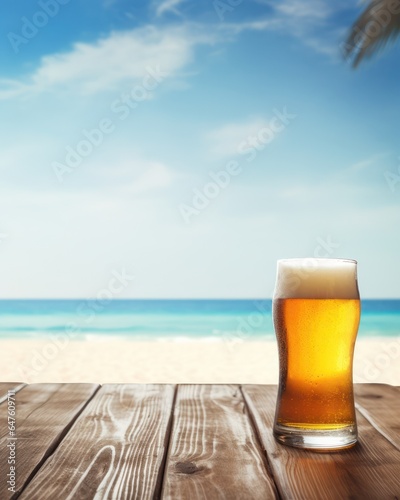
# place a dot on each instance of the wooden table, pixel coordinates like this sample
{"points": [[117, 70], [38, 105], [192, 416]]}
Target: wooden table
{"points": [[189, 441]]}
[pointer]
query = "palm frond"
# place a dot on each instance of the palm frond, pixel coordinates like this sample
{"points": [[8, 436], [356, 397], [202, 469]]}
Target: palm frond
{"points": [[376, 26]]}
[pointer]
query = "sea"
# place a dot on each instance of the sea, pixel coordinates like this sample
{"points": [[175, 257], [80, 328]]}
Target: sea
{"points": [[231, 320]]}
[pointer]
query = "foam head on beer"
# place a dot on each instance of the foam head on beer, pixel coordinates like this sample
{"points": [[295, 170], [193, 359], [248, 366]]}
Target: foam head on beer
{"points": [[316, 279]]}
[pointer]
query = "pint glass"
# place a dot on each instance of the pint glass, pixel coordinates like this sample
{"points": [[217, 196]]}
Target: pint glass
{"points": [[316, 312]]}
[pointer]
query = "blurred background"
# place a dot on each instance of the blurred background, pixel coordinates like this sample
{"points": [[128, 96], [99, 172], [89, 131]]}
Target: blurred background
{"points": [[188, 145]]}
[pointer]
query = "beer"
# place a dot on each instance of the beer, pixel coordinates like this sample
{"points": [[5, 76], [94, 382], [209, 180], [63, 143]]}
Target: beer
{"points": [[316, 312]]}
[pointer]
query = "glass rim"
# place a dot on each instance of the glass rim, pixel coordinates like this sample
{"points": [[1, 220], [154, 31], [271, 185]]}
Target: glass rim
{"points": [[318, 259]]}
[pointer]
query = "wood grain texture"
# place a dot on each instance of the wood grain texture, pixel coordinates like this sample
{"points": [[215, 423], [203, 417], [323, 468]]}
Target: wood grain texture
{"points": [[74, 442], [7, 386], [214, 453], [44, 413], [380, 405], [372, 466], [368, 470], [116, 449]]}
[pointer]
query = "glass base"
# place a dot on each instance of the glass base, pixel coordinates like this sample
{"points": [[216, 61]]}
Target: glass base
{"points": [[317, 440]]}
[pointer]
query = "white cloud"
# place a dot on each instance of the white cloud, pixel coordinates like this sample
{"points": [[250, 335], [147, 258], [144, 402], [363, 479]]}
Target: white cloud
{"points": [[12, 88], [367, 162], [157, 176], [225, 140], [108, 62], [310, 22], [311, 9], [313, 22], [326, 48], [127, 55], [301, 9], [258, 25], [168, 6], [122, 178]]}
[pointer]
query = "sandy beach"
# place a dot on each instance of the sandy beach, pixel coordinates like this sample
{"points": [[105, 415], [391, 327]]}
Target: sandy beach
{"points": [[127, 361]]}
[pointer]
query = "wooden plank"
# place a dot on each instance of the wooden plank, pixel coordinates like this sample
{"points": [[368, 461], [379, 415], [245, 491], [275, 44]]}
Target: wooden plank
{"points": [[9, 386], [116, 449], [214, 452], [380, 405], [297, 473], [44, 413], [368, 470], [372, 466]]}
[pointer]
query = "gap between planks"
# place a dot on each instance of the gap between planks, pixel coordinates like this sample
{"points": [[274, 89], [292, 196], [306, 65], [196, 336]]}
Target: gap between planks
{"points": [[163, 467], [258, 439], [55, 444], [121, 434], [198, 464], [358, 472]]}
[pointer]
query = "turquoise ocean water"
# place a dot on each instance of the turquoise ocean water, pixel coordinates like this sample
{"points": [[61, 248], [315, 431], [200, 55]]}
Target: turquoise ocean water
{"points": [[157, 319]]}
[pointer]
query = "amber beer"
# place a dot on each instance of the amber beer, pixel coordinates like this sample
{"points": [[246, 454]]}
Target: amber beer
{"points": [[316, 312]]}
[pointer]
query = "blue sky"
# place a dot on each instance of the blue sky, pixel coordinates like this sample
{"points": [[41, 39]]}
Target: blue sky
{"points": [[118, 119]]}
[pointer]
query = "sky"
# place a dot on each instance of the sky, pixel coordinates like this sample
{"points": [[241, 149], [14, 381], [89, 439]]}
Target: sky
{"points": [[179, 148]]}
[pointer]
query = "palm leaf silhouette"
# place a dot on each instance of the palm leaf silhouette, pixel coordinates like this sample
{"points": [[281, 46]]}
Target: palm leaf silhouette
{"points": [[376, 26]]}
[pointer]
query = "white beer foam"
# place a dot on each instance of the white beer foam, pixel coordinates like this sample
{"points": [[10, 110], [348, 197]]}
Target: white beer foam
{"points": [[316, 279]]}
